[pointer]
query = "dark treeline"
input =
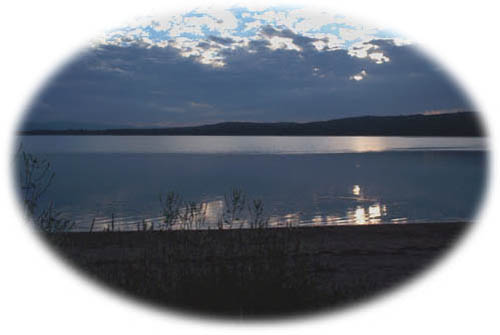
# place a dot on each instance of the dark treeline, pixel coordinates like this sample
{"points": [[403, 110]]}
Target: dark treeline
{"points": [[452, 124]]}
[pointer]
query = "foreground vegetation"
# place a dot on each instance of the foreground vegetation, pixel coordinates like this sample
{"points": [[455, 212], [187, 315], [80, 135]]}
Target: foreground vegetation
{"points": [[235, 272], [257, 272], [36, 176]]}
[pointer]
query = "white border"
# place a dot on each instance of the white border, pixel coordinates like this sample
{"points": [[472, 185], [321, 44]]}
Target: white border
{"points": [[39, 294]]}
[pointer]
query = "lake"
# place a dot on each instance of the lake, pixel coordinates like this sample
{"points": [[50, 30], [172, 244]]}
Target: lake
{"points": [[301, 180]]}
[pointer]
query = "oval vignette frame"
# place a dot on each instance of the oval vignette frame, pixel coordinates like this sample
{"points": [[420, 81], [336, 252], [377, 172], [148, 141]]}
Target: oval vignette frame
{"points": [[355, 74]]}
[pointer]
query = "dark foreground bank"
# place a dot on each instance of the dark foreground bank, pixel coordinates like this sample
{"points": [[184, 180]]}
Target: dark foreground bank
{"points": [[258, 273]]}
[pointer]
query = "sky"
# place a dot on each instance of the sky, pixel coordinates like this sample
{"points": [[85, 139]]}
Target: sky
{"points": [[243, 64]]}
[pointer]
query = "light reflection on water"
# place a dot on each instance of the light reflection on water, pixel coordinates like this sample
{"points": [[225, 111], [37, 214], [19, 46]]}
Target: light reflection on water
{"points": [[244, 144], [365, 212], [297, 190]]}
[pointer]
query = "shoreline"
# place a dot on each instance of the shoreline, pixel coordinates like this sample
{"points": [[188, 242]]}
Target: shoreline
{"points": [[258, 272], [305, 225], [243, 135]]}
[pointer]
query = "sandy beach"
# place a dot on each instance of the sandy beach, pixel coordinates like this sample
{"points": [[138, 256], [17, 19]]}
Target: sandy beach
{"points": [[260, 272]]}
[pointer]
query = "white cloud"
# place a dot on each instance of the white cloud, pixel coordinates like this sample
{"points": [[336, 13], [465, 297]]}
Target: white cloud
{"points": [[253, 25], [359, 76], [276, 17], [363, 50], [225, 19], [378, 57], [350, 34], [328, 41], [223, 23], [277, 42], [305, 20]]}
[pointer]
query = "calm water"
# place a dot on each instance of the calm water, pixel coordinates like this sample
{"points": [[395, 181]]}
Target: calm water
{"points": [[301, 180], [244, 144]]}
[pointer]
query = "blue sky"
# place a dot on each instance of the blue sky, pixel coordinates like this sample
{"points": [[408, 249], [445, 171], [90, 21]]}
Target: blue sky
{"points": [[240, 64]]}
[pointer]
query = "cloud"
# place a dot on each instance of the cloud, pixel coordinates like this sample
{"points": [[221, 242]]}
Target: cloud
{"points": [[300, 41], [206, 67], [133, 84], [441, 111], [358, 76], [284, 28], [200, 105], [221, 40]]}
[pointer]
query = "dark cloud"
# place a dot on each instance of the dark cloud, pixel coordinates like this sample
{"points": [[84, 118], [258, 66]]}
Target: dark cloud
{"points": [[303, 42], [157, 86], [204, 45], [221, 40]]}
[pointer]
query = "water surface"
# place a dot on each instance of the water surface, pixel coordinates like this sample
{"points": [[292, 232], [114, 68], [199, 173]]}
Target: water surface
{"points": [[301, 180], [245, 144]]}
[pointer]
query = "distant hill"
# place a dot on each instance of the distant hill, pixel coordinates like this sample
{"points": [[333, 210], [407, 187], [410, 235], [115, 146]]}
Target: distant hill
{"points": [[63, 125], [452, 124]]}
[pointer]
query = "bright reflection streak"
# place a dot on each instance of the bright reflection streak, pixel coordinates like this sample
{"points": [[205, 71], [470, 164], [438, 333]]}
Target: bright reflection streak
{"points": [[364, 215], [356, 190], [359, 215], [214, 208], [371, 213], [365, 212], [291, 219], [374, 211], [317, 220], [330, 219], [399, 220], [364, 144]]}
